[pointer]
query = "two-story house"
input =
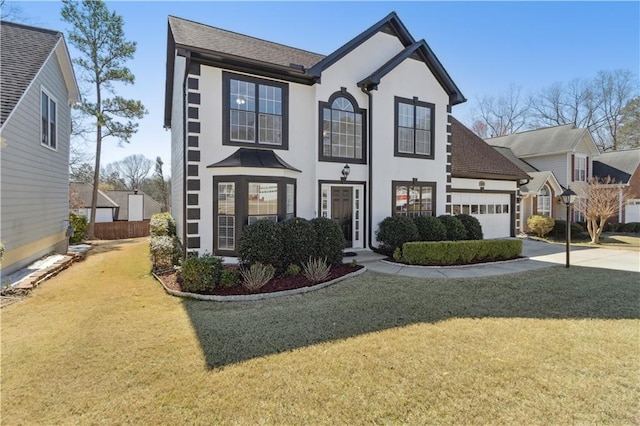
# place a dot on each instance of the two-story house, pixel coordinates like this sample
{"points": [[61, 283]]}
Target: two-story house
{"points": [[265, 131], [37, 88], [558, 157]]}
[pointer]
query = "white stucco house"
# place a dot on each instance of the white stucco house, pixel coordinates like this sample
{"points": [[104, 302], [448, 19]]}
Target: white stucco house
{"points": [[37, 88], [266, 131]]}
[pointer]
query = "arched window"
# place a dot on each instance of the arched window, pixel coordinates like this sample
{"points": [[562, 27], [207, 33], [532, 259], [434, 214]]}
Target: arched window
{"points": [[544, 201], [342, 129]]}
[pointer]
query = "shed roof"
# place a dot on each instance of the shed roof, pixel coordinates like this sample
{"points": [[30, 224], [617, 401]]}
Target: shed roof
{"points": [[150, 205], [83, 192]]}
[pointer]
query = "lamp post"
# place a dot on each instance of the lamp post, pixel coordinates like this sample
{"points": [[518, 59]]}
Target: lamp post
{"points": [[568, 197]]}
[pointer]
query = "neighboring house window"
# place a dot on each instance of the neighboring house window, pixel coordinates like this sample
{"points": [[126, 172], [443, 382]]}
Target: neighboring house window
{"points": [[49, 121], [342, 129], [414, 200], [580, 169], [243, 200], [255, 111], [414, 122], [544, 201]]}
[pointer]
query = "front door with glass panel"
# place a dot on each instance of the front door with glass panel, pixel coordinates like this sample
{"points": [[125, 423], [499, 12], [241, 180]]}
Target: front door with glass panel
{"points": [[342, 211]]}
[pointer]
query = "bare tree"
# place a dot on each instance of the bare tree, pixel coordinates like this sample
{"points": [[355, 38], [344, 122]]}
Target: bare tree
{"points": [[501, 115], [598, 201], [628, 136], [613, 91], [81, 172], [134, 169]]}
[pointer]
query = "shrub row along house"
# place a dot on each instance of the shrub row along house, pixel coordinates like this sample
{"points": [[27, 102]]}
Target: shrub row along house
{"points": [[265, 131]]}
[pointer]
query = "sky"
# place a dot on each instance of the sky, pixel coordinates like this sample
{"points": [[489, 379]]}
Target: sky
{"points": [[484, 46]]}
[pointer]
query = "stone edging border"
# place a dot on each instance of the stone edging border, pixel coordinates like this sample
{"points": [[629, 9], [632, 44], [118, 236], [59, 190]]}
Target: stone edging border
{"points": [[471, 265], [261, 296]]}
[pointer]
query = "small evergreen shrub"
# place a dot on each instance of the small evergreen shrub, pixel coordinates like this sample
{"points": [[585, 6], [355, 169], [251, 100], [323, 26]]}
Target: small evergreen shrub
{"points": [[430, 228], [162, 224], [200, 273], [560, 230], [229, 277], [165, 252], [394, 231], [330, 240], [472, 226], [1, 252], [459, 252], [316, 270], [80, 225], [260, 242], [540, 225], [455, 229], [256, 276], [631, 227], [293, 270], [298, 242]]}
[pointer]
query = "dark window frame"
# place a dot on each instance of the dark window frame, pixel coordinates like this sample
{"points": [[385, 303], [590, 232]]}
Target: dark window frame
{"points": [[357, 110], [242, 203], [226, 110], [50, 126], [396, 183], [415, 102]]}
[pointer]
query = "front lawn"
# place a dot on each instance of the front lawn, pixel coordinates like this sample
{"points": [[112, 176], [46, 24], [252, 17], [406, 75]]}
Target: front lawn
{"points": [[103, 343]]}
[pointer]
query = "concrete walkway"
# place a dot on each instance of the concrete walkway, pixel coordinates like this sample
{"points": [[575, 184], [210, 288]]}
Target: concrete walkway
{"points": [[538, 255]]}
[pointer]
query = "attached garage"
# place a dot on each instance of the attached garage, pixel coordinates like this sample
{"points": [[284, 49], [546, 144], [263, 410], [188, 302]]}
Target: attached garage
{"points": [[493, 211], [632, 212]]}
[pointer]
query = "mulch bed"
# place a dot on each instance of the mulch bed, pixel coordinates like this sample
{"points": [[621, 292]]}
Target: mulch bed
{"points": [[171, 281]]}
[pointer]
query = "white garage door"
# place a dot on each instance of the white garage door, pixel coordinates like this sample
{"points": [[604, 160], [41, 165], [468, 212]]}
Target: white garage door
{"points": [[493, 211], [632, 212]]}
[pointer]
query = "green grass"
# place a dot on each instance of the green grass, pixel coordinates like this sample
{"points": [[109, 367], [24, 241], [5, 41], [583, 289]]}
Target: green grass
{"points": [[102, 342]]}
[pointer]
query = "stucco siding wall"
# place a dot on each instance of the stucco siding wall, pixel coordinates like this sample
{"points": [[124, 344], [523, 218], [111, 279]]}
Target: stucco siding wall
{"points": [[35, 178]]}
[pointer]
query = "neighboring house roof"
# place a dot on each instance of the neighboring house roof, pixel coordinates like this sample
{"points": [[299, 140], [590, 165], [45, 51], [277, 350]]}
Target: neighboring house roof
{"points": [[247, 157], [23, 52], [538, 180], [471, 157], [150, 205], [230, 50], [515, 160], [619, 165], [83, 192], [550, 140]]}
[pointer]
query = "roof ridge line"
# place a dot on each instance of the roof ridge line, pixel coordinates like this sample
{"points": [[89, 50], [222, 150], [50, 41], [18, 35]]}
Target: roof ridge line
{"points": [[31, 27]]}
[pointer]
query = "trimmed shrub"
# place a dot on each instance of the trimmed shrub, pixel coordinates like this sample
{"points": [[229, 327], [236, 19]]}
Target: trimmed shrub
{"points": [[298, 242], [560, 230], [330, 240], [80, 225], [540, 225], [200, 273], [229, 277], [459, 252], [256, 276], [165, 252], [455, 229], [630, 227], [260, 242], [430, 228], [316, 270], [1, 252], [394, 231], [162, 224], [472, 226]]}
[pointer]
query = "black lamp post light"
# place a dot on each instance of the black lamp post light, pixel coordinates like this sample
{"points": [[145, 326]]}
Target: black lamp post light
{"points": [[568, 198], [345, 173]]}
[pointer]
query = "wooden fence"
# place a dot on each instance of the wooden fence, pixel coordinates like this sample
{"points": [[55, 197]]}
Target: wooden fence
{"points": [[121, 229]]}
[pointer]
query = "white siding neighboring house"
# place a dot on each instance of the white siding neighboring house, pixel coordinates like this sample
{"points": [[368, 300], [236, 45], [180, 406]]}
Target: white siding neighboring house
{"points": [[37, 87], [623, 167], [113, 205], [264, 131], [564, 154]]}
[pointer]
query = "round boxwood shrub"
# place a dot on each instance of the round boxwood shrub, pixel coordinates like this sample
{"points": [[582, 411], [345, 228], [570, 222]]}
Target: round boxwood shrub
{"points": [[200, 273], [540, 225], [260, 242], [394, 231], [298, 242], [455, 229], [560, 230], [330, 240], [430, 228], [472, 226]]}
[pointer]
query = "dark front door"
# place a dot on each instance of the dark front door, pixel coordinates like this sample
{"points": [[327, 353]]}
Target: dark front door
{"points": [[341, 211]]}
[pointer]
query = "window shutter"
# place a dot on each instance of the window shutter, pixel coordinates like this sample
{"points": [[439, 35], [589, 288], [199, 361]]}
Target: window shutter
{"points": [[573, 167], [586, 172]]}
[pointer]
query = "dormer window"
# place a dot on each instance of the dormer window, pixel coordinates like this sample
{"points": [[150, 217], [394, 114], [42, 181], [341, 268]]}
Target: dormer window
{"points": [[255, 112], [342, 129]]}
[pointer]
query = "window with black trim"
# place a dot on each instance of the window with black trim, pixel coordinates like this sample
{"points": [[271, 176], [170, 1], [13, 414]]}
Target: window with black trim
{"points": [[342, 132], [414, 200], [49, 120], [414, 122], [255, 111]]}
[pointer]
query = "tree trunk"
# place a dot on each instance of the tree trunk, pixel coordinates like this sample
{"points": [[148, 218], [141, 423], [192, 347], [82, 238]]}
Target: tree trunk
{"points": [[96, 173]]}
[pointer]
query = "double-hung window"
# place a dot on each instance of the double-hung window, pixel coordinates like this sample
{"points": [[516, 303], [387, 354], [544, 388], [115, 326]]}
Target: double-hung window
{"points": [[49, 123], [414, 121], [255, 112], [580, 169], [342, 134]]}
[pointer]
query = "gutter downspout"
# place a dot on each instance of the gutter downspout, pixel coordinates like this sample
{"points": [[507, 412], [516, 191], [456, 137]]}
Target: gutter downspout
{"points": [[184, 151], [367, 91]]}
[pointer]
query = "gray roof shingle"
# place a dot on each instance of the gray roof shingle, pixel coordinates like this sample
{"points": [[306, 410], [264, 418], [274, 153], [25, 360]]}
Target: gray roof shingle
{"points": [[23, 51], [150, 206], [515, 160], [549, 140], [619, 165]]}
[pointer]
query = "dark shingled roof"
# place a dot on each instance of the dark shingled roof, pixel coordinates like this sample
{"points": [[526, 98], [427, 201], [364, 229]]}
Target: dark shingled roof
{"points": [[23, 51], [471, 157], [150, 206], [619, 165], [247, 157]]}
